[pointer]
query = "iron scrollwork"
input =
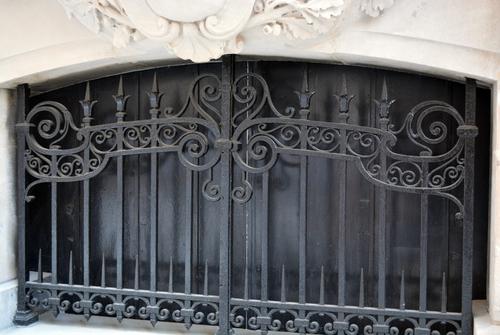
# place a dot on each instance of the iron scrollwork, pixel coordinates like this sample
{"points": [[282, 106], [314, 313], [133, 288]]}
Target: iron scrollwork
{"points": [[171, 131], [257, 139], [260, 134], [121, 305]]}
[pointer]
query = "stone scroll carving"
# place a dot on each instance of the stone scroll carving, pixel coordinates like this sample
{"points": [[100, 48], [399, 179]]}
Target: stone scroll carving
{"points": [[201, 30]]}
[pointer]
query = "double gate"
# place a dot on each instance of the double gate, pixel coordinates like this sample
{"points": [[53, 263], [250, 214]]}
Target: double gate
{"points": [[224, 145]]}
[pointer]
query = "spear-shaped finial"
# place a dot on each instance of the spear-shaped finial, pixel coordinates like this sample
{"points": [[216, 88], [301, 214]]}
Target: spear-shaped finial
{"points": [[154, 98], [70, 268], [344, 100], [305, 80], [283, 289], [87, 105], [171, 276], [343, 89], [120, 87], [444, 294], [322, 287], [383, 106], [384, 95], [40, 272], [136, 277], [402, 304], [362, 288], [245, 288], [103, 271], [305, 95], [154, 88], [205, 279], [121, 100], [87, 92]]}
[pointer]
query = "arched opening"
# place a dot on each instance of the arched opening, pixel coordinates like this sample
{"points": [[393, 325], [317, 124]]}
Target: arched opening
{"points": [[314, 212]]}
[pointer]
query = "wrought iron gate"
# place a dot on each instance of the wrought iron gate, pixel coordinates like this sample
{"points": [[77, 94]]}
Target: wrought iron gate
{"points": [[231, 132]]}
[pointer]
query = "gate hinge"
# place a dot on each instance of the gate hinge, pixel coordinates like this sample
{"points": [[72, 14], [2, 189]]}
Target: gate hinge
{"points": [[226, 144]]}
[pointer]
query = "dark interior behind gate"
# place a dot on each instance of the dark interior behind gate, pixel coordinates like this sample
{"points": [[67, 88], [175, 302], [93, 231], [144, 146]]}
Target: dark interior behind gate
{"points": [[305, 226]]}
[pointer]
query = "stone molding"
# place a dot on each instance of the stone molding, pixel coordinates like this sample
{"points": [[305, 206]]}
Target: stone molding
{"points": [[207, 29]]}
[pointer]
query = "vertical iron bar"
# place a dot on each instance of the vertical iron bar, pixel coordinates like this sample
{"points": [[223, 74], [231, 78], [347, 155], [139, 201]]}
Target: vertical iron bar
{"points": [[154, 100], [302, 227], [53, 232], [248, 205], [469, 132], [120, 100], [381, 237], [344, 100], [86, 242], [196, 240], [424, 228], [264, 236], [342, 229], [153, 218], [264, 245], [87, 103], [383, 106], [304, 102], [24, 315], [119, 215], [188, 239], [86, 238], [226, 176], [53, 222]]}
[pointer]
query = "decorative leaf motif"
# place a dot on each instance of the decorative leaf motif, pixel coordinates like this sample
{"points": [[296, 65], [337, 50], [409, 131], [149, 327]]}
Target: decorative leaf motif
{"points": [[127, 21]]}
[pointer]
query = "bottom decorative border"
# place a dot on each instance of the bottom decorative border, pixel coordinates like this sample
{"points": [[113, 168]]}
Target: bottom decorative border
{"points": [[244, 314], [123, 303], [339, 320]]}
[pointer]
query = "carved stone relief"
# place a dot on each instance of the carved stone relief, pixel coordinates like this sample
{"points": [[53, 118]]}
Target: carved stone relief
{"points": [[201, 30]]}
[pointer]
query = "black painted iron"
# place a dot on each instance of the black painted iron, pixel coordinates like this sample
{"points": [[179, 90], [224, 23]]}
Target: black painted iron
{"points": [[236, 128]]}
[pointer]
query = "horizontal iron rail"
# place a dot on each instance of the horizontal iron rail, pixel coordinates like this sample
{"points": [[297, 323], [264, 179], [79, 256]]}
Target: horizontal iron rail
{"points": [[345, 309], [122, 291]]}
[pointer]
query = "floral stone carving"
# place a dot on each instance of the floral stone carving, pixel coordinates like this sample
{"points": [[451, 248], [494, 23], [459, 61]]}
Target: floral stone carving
{"points": [[201, 30]]}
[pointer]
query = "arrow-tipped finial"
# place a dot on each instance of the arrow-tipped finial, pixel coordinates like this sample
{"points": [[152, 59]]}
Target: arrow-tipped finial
{"points": [[87, 104], [121, 100], [344, 99], [362, 288], [40, 271], [154, 88], [402, 303], [322, 287], [171, 276], [119, 92], [103, 271], [87, 92], [70, 268], [343, 90], [136, 279], [205, 279], [305, 80], [383, 106], [384, 96], [444, 294], [283, 284]]}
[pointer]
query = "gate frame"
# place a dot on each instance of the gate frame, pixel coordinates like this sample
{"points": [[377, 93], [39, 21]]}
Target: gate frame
{"points": [[468, 132]]}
